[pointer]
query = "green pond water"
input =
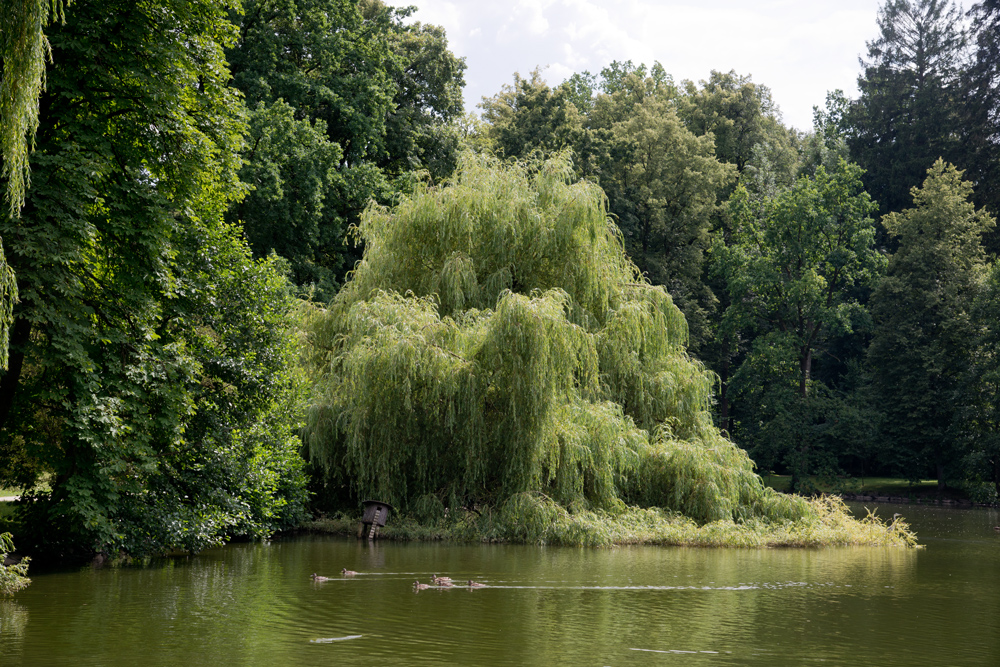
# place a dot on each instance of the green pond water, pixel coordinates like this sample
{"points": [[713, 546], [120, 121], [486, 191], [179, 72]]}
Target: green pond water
{"points": [[254, 604]]}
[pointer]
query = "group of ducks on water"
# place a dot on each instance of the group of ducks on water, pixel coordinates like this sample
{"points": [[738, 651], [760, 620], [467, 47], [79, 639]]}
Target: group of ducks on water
{"points": [[436, 581], [345, 572], [443, 582]]}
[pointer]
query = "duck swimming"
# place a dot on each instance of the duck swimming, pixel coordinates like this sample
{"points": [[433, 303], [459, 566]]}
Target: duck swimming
{"points": [[348, 573], [316, 577], [475, 584], [440, 580], [417, 586]]}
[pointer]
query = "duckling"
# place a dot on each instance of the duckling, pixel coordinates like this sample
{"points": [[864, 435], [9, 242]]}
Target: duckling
{"points": [[475, 584], [445, 584], [348, 573], [417, 586], [316, 577], [440, 580]]}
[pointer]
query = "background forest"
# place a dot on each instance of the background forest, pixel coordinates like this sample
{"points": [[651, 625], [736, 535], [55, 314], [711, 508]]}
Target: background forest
{"points": [[191, 191]]}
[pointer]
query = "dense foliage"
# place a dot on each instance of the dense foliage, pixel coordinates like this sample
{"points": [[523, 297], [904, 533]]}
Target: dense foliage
{"points": [[534, 338], [907, 115], [495, 348], [345, 103], [793, 268], [13, 577], [151, 372], [925, 336]]}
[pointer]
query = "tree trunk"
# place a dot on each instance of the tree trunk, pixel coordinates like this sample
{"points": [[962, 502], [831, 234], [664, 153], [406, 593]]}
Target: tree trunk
{"points": [[805, 368], [940, 476]]}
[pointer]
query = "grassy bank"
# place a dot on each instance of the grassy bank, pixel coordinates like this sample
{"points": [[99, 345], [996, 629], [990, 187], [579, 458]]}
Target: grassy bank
{"points": [[828, 524], [870, 486]]}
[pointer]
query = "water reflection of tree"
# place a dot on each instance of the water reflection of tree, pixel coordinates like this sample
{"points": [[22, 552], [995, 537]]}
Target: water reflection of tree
{"points": [[13, 621]]}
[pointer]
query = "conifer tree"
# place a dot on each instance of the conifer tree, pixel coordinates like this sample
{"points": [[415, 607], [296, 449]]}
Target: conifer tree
{"points": [[907, 115], [981, 111]]}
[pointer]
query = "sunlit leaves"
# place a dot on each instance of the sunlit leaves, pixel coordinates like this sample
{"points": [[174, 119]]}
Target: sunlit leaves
{"points": [[153, 378], [495, 341], [13, 577]]}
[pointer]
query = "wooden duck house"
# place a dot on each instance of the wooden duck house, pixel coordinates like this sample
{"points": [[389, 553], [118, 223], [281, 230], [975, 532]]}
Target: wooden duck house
{"points": [[376, 514]]}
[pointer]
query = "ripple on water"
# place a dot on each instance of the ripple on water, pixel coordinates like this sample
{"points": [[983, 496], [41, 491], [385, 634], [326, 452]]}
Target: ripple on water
{"points": [[330, 640]]}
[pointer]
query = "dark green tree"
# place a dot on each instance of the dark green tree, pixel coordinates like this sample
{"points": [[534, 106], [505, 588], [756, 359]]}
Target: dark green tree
{"points": [[743, 118], [979, 421], [421, 132], [371, 101], [530, 116], [792, 268], [332, 65], [292, 167], [907, 114], [581, 88], [981, 112], [150, 370], [664, 188], [924, 336]]}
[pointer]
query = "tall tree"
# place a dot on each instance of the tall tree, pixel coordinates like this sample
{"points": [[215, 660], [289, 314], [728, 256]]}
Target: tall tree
{"points": [[421, 131], [923, 338], [664, 188], [531, 116], [907, 114], [742, 117], [147, 372], [792, 269], [981, 111], [331, 65], [346, 101]]}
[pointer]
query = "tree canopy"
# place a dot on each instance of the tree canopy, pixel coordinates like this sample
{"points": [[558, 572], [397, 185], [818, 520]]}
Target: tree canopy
{"points": [[907, 115], [496, 348], [151, 369], [793, 269], [347, 103], [922, 311]]}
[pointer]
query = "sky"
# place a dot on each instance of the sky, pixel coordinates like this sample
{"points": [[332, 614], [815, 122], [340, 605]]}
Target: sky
{"points": [[800, 49]]}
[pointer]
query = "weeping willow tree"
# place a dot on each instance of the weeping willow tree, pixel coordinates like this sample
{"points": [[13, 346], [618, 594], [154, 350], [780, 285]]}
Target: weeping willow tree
{"points": [[495, 347]]}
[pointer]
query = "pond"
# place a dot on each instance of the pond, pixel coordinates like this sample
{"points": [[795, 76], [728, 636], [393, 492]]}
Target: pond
{"points": [[255, 604]]}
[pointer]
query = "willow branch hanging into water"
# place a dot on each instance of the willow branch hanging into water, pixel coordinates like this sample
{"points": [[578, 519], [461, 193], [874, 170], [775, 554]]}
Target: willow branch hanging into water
{"points": [[497, 347]]}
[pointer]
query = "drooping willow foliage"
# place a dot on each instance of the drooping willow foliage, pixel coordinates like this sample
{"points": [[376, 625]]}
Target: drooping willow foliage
{"points": [[12, 577], [496, 346]]}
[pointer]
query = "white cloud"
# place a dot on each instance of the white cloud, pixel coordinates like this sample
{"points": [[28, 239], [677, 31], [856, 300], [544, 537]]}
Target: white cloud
{"points": [[799, 49]]}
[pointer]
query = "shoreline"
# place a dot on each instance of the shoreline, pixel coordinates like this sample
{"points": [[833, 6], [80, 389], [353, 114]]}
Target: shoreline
{"points": [[906, 500]]}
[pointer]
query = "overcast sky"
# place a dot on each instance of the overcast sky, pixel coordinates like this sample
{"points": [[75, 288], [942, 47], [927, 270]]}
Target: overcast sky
{"points": [[800, 49]]}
